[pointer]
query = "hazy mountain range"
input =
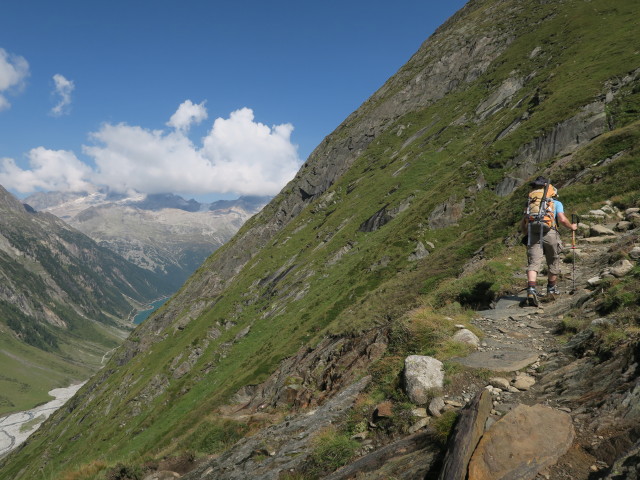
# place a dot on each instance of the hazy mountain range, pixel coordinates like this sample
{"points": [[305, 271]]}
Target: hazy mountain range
{"points": [[163, 233]]}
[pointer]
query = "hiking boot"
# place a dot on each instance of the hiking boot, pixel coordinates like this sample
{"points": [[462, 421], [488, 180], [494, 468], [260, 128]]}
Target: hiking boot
{"points": [[553, 290], [532, 297]]}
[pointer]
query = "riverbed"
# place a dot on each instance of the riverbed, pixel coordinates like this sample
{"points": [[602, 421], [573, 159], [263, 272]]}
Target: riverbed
{"points": [[16, 427]]}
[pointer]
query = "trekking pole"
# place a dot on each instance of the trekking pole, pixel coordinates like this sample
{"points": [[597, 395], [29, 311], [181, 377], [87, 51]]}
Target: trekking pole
{"points": [[574, 219]]}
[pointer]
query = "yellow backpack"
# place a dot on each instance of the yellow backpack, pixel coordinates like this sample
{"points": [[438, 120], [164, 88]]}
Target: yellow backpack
{"points": [[541, 209]]}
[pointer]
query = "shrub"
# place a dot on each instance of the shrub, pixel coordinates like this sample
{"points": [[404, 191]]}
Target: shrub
{"points": [[125, 472], [443, 425], [332, 450]]}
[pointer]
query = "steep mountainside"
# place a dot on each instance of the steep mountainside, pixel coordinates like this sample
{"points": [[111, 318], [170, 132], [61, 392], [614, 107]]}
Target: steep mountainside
{"points": [[64, 302], [161, 233], [403, 219]]}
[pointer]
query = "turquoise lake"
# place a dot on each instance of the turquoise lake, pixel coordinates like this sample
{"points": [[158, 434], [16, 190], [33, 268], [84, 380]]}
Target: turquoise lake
{"points": [[152, 307]]}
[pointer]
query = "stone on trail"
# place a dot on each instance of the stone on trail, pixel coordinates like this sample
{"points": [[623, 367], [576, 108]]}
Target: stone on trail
{"points": [[598, 230], [384, 410], [623, 226], [598, 213], [523, 381], [499, 361], [420, 424], [522, 443], [499, 382], [635, 253], [468, 337], [593, 281], [422, 374], [621, 268], [599, 239], [632, 210]]}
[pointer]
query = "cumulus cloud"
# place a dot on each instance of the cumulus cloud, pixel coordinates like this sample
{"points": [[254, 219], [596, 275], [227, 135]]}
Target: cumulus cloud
{"points": [[238, 155], [14, 69], [187, 115], [62, 90], [50, 170]]}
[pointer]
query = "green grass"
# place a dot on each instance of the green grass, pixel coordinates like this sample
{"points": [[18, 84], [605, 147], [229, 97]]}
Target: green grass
{"points": [[332, 450]]}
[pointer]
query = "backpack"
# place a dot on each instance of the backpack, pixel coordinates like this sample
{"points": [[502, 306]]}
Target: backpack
{"points": [[541, 209]]}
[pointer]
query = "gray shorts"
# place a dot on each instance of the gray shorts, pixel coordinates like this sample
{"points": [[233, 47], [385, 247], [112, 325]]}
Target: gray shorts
{"points": [[550, 250]]}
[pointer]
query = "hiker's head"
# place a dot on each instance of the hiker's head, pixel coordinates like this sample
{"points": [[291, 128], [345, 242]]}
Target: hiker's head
{"points": [[539, 182]]}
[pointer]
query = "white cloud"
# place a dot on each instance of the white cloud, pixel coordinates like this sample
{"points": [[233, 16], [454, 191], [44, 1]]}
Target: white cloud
{"points": [[63, 89], [238, 155], [50, 170], [187, 115], [14, 69]]}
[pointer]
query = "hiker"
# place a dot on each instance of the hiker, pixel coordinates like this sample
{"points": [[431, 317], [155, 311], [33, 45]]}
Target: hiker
{"points": [[534, 223]]}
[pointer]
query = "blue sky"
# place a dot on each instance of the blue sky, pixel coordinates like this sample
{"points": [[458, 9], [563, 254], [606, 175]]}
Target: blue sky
{"points": [[205, 99]]}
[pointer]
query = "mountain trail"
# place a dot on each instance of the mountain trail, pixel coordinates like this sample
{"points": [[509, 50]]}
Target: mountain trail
{"points": [[539, 370]]}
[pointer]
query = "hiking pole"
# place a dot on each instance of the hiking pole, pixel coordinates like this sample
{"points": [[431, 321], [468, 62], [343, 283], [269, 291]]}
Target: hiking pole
{"points": [[574, 219]]}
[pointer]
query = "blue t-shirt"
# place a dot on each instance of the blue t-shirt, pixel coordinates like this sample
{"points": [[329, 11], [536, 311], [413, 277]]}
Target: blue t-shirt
{"points": [[559, 207]]}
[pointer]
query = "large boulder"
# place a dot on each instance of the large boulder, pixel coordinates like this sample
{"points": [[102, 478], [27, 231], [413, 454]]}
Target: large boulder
{"points": [[522, 443], [421, 376]]}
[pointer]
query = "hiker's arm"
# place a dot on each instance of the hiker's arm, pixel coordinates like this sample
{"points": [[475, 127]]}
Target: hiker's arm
{"points": [[562, 218], [523, 225]]}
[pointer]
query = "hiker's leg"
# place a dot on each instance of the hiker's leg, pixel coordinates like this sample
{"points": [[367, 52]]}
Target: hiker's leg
{"points": [[552, 248], [535, 256], [534, 260]]}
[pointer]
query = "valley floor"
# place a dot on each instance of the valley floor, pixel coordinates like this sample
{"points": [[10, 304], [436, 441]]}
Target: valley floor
{"points": [[16, 428]]}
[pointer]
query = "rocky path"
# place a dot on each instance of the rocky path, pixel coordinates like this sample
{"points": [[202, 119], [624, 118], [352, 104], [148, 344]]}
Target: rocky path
{"points": [[543, 422]]}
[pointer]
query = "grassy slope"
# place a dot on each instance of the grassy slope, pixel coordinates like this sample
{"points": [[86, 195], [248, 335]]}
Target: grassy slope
{"points": [[584, 45]]}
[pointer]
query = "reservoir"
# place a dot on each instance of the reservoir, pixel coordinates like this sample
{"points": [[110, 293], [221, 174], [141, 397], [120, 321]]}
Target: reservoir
{"points": [[152, 307]]}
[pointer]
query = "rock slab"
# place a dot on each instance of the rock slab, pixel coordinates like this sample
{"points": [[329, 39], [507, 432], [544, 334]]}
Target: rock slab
{"points": [[499, 361], [522, 443], [465, 436]]}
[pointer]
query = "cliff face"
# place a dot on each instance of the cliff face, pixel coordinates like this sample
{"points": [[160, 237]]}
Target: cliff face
{"points": [[413, 200]]}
